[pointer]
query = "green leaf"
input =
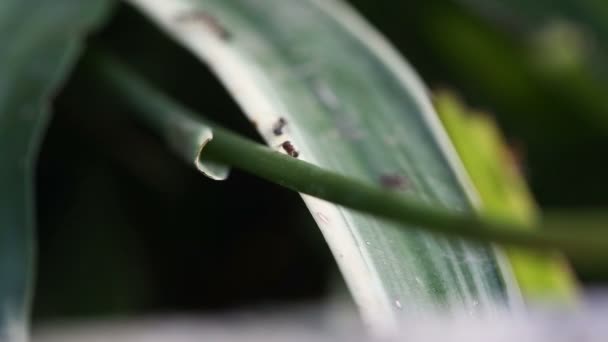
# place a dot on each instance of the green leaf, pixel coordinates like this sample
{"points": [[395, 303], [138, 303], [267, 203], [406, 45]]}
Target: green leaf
{"points": [[543, 277], [40, 40], [353, 106]]}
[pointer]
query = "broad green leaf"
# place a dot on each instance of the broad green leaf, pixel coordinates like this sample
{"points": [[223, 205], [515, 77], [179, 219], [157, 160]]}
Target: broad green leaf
{"points": [[40, 40], [543, 278], [351, 105]]}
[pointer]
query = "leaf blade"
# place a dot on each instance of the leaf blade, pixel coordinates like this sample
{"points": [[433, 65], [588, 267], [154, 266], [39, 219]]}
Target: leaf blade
{"points": [[347, 105], [40, 42]]}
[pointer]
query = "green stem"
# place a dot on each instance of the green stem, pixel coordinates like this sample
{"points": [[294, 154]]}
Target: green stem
{"points": [[170, 119]]}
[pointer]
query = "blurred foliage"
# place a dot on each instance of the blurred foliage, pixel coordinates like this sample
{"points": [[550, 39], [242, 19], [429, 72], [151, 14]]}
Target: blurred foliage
{"points": [[145, 247]]}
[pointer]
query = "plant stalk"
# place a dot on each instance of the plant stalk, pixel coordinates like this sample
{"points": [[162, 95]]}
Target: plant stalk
{"points": [[170, 119]]}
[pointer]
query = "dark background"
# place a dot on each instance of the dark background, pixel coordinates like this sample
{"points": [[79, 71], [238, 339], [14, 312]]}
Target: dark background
{"points": [[126, 228]]}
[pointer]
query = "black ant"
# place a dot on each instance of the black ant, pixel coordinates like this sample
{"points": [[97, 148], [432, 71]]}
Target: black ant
{"points": [[288, 147], [278, 127]]}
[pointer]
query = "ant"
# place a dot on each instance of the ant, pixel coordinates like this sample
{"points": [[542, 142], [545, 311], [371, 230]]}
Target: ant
{"points": [[288, 147], [278, 127]]}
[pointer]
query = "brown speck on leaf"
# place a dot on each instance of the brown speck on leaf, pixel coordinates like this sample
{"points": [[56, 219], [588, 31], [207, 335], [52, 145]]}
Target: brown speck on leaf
{"points": [[290, 149], [393, 181], [277, 128], [197, 16]]}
